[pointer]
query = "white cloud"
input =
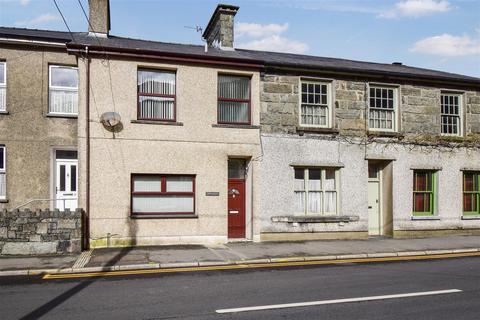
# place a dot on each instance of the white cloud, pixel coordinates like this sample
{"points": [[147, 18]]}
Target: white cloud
{"points": [[416, 8], [267, 37], [24, 2], [256, 30], [446, 45], [41, 19], [276, 43]]}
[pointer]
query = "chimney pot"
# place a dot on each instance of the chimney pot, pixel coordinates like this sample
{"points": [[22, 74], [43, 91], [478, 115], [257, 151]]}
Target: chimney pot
{"points": [[219, 31], [99, 17]]}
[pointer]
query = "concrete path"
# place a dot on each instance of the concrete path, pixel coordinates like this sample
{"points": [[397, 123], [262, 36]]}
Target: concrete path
{"points": [[235, 253], [251, 251]]}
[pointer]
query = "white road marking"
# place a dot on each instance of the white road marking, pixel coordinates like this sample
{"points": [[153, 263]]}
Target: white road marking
{"points": [[322, 302]]}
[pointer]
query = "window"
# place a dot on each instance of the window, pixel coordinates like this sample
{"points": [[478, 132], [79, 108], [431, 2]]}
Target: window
{"points": [[423, 192], [233, 99], [315, 105], [163, 194], [451, 120], [315, 191], [382, 109], [156, 95], [63, 90], [3, 164], [471, 193], [3, 86]]}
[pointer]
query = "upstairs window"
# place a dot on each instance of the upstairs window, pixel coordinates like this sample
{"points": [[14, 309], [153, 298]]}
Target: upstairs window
{"points": [[3, 182], [63, 90], [451, 114], [233, 99], [3, 86], [471, 193], [315, 105], [156, 95], [423, 192], [154, 194], [382, 108], [316, 190]]}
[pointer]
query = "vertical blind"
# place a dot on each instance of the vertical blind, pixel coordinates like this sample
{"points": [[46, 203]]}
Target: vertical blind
{"points": [[162, 194], [156, 95], [233, 99]]}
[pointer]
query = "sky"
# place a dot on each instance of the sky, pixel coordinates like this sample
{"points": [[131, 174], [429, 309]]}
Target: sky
{"points": [[434, 34]]}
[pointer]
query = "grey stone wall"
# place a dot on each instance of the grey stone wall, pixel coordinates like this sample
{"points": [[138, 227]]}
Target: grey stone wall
{"points": [[419, 107], [29, 232]]}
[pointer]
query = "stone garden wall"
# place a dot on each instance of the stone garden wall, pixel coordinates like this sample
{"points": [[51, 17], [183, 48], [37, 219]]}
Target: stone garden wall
{"points": [[29, 232]]}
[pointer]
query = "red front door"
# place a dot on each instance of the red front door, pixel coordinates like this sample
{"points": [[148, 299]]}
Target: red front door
{"points": [[236, 208]]}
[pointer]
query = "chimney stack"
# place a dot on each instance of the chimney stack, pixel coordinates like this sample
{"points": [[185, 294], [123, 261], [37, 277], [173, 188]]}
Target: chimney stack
{"points": [[219, 31], [99, 17]]}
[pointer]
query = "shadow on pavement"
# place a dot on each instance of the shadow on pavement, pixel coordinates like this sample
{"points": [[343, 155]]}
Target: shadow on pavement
{"points": [[50, 305]]}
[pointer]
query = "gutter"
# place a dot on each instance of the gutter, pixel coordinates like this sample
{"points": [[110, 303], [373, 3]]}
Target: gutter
{"points": [[76, 49], [375, 74]]}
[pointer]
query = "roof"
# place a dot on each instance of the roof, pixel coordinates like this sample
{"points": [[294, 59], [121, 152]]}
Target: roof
{"points": [[268, 59]]}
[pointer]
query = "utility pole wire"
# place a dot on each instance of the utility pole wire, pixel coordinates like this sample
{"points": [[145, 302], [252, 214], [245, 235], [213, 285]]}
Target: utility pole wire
{"points": [[64, 21]]}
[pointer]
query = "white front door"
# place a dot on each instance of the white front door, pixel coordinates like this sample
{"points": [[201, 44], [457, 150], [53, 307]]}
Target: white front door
{"points": [[374, 208], [66, 184]]}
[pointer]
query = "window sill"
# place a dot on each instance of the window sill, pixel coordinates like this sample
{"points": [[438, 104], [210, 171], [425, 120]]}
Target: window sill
{"points": [[164, 216], [3, 200], [315, 219], [59, 115], [425, 218], [301, 130], [158, 122], [4, 112], [471, 217], [385, 134], [235, 126]]}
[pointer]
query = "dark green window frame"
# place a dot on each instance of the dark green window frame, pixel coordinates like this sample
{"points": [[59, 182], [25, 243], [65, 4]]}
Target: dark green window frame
{"points": [[474, 194], [424, 195]]}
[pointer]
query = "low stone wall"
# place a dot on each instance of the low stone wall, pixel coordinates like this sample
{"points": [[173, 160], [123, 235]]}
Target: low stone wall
{"points": [[29, 232]]}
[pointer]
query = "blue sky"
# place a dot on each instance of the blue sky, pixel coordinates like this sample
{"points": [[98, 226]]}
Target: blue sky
{"points": [[434, 34]]}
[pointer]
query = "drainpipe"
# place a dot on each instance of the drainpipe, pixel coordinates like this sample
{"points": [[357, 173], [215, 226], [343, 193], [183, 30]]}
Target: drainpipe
{"points": [[87, 182]]}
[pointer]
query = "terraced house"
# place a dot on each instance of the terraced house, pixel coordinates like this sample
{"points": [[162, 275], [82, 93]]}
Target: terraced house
{"points": [[208, 144], [38, 120]]}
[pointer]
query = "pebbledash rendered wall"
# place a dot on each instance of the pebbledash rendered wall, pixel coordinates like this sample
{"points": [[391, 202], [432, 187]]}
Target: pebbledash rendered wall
{"points": [[348, 146], [28, 232], [195, 145]]}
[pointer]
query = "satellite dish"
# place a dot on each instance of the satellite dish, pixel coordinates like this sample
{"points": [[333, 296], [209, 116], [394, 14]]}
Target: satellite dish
{"points": [[111, 121]]}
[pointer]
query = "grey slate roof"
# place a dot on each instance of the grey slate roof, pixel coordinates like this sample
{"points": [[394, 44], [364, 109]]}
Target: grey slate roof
{"points": [[269, 59]]}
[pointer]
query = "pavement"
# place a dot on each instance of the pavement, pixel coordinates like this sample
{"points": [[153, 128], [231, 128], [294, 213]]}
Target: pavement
{"points": [[442, 289], [153, 257]]}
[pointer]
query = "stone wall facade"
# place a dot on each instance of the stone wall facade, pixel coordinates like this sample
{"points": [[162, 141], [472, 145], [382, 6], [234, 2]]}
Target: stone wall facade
{"points": [[419, 106], [29, 232], [350, 147]]}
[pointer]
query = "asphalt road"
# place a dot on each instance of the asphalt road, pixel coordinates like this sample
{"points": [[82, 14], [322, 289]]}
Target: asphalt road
{"points": [[198, 295]]}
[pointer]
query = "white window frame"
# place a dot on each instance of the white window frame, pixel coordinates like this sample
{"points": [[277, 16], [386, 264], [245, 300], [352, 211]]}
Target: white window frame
{"points": [[4, 86], [330, 99], [322, 190], [50, 87], [3, 170], [460, 113], [396, 99]]}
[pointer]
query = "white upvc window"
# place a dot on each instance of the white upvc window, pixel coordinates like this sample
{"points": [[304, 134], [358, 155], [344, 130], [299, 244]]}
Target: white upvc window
{"points": [[63, 90], [316, 190], [3, 86], [383, 106], [315, 104], [451, 114], [3, 165]]}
